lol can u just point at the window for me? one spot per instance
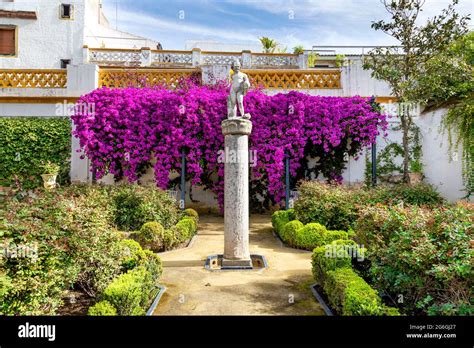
(65, 63)
(7, 40)
(66, 11)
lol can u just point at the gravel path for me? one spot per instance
(281, 289)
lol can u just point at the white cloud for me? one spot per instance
(316, 22)
(142, 23)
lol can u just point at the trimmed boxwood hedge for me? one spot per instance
(322, 263)
(332, 258)
(130, 293)
(102, 308)
(72, 228)
(297, 235)
(155, 237)
(350, 294)
(29, 141)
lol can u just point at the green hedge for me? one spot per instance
(322, 262)
(29, 141)
(78, 245)
(281, 217)
(136, 205)
(152, 236)
(297, 235)
(337, 207)
(155, 237)
(350, 294)
(310, 236)
(191, 213)
(102, 308)
(289, 231)
(185, 229)
(131, 293)
(423, 254)
(332, 258)
(347, 292)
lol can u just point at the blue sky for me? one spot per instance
(306, 22)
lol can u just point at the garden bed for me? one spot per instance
(73, 243)
(415, 244)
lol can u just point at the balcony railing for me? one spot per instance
(33, 78)
(268, 79)
(121, 78)
(187, 59)
(295, 79)
(119, 57)
(269, 60)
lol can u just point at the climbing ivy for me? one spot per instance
(26, 143)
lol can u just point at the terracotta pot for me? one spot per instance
(49, 181)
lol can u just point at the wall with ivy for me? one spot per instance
(26, 142)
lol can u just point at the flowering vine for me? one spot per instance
(132, 129)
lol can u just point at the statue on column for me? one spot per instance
(240, 85)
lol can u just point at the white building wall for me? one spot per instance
(99, 34)
(441, 166)
(43, 42)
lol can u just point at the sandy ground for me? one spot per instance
(281, 289)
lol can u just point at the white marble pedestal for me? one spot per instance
(236, 193)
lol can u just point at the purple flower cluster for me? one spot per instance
(134, 128)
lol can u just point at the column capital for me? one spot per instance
(237, 126)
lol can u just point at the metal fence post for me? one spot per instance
(183, 179)
(287, 181)
(374, 163)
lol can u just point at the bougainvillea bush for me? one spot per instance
(131, 127)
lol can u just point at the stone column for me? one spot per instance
(236, 193)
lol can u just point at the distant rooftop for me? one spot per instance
(331, 51)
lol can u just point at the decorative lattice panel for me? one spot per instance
(295, 79)
(115, 57)
(33, 78)
(274, 60)
(220, 59)
(143, 78)
(178, 58)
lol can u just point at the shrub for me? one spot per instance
(416, 194)
(132, 254)
(185, 229)
(92, 241)
(331, 206)
(153, 265)
(350, 294)
(130, 293)
(72, 228)
(289, 231)
(191, 213)
(423, 254)
(280, 218)
(137, 205)
(324, 260)
(310, 236)
(77, 246)
(331, 236)
(29, 141)
(463, 309)
(102, 308)
(151, 236)
(338, 207)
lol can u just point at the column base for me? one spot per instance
(241, 263)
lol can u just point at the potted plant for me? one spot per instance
(50, 173)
